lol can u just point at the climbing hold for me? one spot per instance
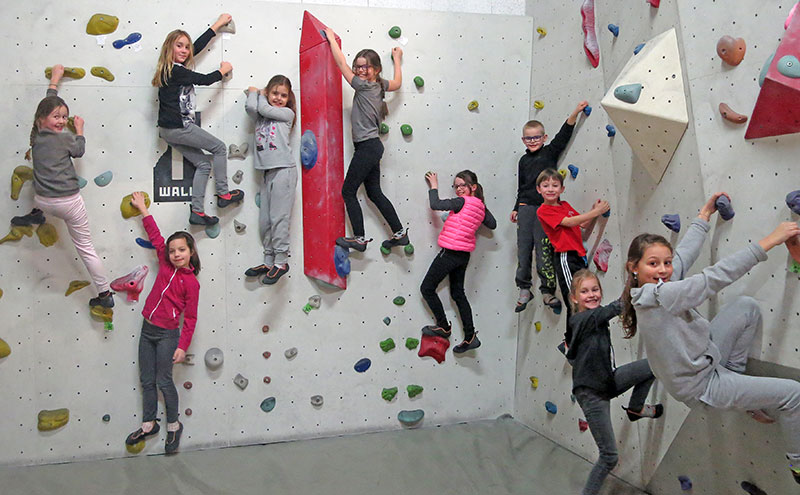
(188, 360)
(541, 31)
(257, 199)
(229, 28)
(395, 32)
(16, 233)
(128, 40)
(794, 268)
(672, 222)
(413, 390)
(563, 173)
(686, 483)
(341, 260)
(290, 353)
(102, 24)
(789, 66)
(629, 93)
(724, 207)
(316, 400)
(387, 320)
(654, 3)
(267, 380)
(389, 393)
(751, 488)
(765, 69)
(614, 29)
(35, 217)
(473, 105)
(238, 226)
(50, 420)
(387, 345)
(128, 210)
(308, 150)
(590, 45)
(266, 354)
(5, 349)
(104, 314)
(587, 110)
(419, 81)
(638, 48)
(265, 328)
(538, 104)
(188, 411)
(102, 73)
(551, 408)
(411, 343)
(538, 326)
(314, 302)
(237, 177)
(132, 283)
(187, 385)
(573, 170)
(268, 404)
(240, 381)
(104, 179)
(730, 115)
(583, 425)
(793, 245)
(82, 182)
(612, 131)
(20, 176)
(144, 243)
(731, 50)
(400, 300)
(433, 346)
(238, 152)
(534, 382)
(135, 448)
(607, 214)
(408, 249)
(410, 418)
(213, 231)
(602, 255)
(362, 365)
(76, 285)
(384, 129)
(572, 398)
(73, 72)
(793, 201)
(406, 130)
(106, 418)
(214, 358)
(47, 234)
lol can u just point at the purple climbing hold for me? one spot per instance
(551, 408)
(341, 261)
(144, 243)
(587, 110)
(573, 170)
(131, 39)
(672, 222)
(612, 131)
(614, 29)
(686, 483)
(793, 201)
(724, 207)
(638, 48)
(362, 365)
(308, 150)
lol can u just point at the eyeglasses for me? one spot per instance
(533, 139)
(457, 186)
(364, 67)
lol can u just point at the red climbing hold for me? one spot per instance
(434, 347)
(590, 45)
(793, 245)
(654, 3)
(132, 283)
(583, 425)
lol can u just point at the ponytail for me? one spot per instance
(471, 179)
(628, 316)
(45, 108)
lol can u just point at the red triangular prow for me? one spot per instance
(313, 33)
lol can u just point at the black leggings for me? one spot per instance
(454, 264)
(365, 168)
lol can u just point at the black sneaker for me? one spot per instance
(197, 219)
(173, 440)
(552, 302)
(256, 271)
(357, 243)
(139, 435)
(436, 331)
(35, 217)
(399, 238)
(647, 412)
(106, 301)
(274, 274)
(237, 195)
(468, 345)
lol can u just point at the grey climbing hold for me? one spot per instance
(104, 179)
(765, 69)
(316, 400)
(238, 152)
(240, 381)
(214, 358)
(410, 418)
(789, 66)
(672, 222)
(724, 207)
(238, 226)
(308, 150)
(638, 48)
(290, 353)
(793, 201)
(314, 302)
(268, 404)
(230, 27)
(629, 93)
(686, 483)
(82, 182)
(237, 177)
(212, 231)
(614, 29)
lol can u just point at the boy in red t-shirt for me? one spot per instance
(563, 225)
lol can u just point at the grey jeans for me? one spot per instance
(530, 238)
(596, 408)
(278, 188)
(191, 141)
(156, 347)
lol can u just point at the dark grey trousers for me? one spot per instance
(156, 347)
(530, 238)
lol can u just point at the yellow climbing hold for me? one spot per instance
(538, 104)
(76, 285)
(534, 382)
(71, 124)
(135, 448)
(47, 234)
(102, 73)
(563, 173)
(102, 24)
(542, 31)
(538, 326)
(473, 105)
(1, 293)
(20, 176)
(105, 314)
(5, 349)
(16, 233)
(128, 210)
(50, 420)
(73, 72)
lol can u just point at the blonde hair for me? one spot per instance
(577, 280)
(532, 124)
(164, 68)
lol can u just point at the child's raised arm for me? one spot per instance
(57, 72)
(573, 117)
(600, 207)
(137, 200)
(397, 56)
(221, 21)
(338, 56)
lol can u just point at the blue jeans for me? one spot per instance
(156, 347)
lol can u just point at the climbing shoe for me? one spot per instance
(139, 435)
(468, 345)
(648, 411)
(35, 217)
(524, 298)
(256, 271)
(274, 274)
(235, 196)
(173, 440)
(436, 331)
(104, 299)
(552, 301)
(357, 243)
(399, 238)
(200, 219)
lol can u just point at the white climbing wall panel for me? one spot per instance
(61, 358)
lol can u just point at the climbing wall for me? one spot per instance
(60, 357)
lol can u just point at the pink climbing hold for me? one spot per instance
(789, 17)
(132, 283)
(602, 254)
(590, 45)
(654, 3)
(433, 346)
(583, 425)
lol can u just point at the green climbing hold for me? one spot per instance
(406, 130)
(385, 250)
(135, 448)
(384, 129)
(76, 285)
(408, 249)
(102, 73)
(387, 345)
(413, 390)
(419, 82)
(50, 420)
(795, 268)
(16, 233)
(73, 72)
(47, 234)
(411, 343)
(104, 179)
(102, 24)
(473, 105)
(128, 210)
(5, 351)
(399, 300)
(395, 32)
(20, 176)
(389, 393)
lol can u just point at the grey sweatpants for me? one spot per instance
(733, 331)
(530, 238)
(191, 141)
(278, 187)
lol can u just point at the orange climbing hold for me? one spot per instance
(731, 50)
(730, 115)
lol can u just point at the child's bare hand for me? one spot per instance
(137, 200)
(433, 180)
(514, 217)
(253, 88)
(225, 68)
(330, 34)
(581, 106)
(782, 233)
(58, 71)
(397, 53)
(710, 207)
(179, 356)
(221, 21)
(78, 121)
(601, 206)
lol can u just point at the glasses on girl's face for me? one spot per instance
(533, 139)
(364, 67)
(458, 186)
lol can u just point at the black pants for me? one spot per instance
(156, 347)
(453, 264)
(566, 265)
(365, 168)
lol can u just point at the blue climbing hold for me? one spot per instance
(765, 69)
(362, 365)
(789, 66)
(131, 39)
(410, 418)
(793, 201)
(308, 150)
(551, 408)
(341, 261)
(212, 231)
(638, 48)
(629, 93)
(268, 404)
(82, 182)
(672, 222)
(612, 131)
(614, 29)
(104, 179)
(144, 243)
(686, 483)
(573, 170)
(724, 207)
(587, 110)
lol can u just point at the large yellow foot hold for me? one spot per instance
(76, 285)
(73, 72)
(20, 176)
(5, 349)
(128, 210)
(50, 420)
(102, 24)
(47, 234)
(105, 314)
(103, 73)
(17, 232)
(135, 448)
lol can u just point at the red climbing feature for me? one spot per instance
(132, 283)
(321, 113)
(777, 109)
(433, 346)
(654, 3)
(590, 45)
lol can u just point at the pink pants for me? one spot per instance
(72, 210)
